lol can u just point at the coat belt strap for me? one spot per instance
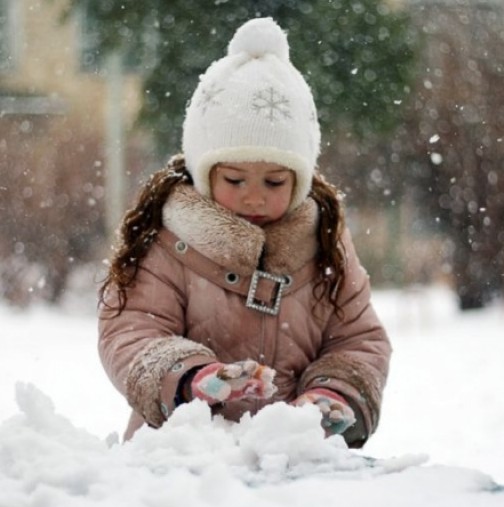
(261, 289)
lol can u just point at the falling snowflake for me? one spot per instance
(271, 103)
(208, 97)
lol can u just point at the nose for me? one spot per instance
(254, 198)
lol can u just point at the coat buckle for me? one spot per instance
(261, 306)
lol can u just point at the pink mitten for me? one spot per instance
(337, 416)
(219, 382)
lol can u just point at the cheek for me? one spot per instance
(224, 196)
(281, 202)
(287, 194)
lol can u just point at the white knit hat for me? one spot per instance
(253, 105)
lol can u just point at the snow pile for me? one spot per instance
(277, 458)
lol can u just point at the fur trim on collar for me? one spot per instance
(231, 241)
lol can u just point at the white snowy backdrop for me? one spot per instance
(440, 441)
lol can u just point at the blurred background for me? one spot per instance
(410, 97)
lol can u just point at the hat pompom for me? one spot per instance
(259, 37)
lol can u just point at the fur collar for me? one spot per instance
(232, 242)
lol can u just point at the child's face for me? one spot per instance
(259, 192)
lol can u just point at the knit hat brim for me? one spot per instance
(269, 154)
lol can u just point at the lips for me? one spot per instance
(255, 219)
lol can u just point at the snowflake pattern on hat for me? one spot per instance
(271, 103)
(208, 97)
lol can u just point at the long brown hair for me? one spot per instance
(142, 223)
(331, 255)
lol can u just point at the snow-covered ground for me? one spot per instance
(440, 441)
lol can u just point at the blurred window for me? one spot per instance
(7, 36)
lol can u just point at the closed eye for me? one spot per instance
(275, 183)
(233, 181)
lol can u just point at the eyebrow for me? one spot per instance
(225, 166)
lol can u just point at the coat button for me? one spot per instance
(232, 278)
(177, 367)
(181, 247)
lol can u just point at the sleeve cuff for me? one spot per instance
(168, 357)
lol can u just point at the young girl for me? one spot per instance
(236, 281)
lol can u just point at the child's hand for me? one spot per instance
(337, 416)
(219, 382)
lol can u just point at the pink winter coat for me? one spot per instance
(188, 308)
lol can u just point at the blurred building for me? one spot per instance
(58, 113)
(46, 67)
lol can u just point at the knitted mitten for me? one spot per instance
(219, 382)
(337, 416)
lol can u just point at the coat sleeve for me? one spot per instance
(143, 349)
(355, 353)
